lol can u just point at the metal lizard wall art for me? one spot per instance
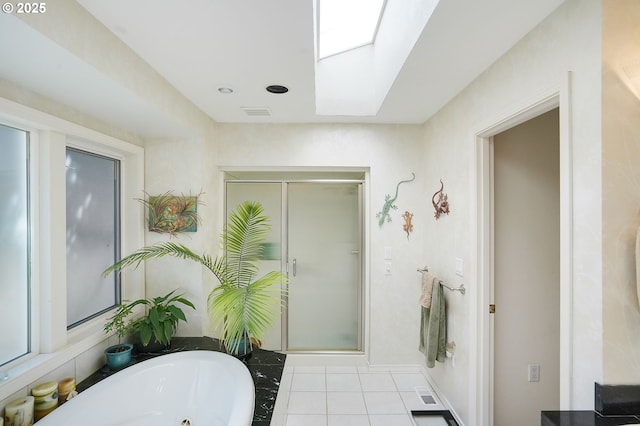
(388, 202)
(441, 205)
(408, 226)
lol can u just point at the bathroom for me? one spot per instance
(570, 60)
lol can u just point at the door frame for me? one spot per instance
(314, 174)
(481, 371)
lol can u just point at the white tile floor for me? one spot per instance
(347, 396)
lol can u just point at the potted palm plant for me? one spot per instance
(242, 306)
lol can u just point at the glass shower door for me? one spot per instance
(324, 250)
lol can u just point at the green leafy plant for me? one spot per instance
(118, 322)
(160, 322)
(241, 305)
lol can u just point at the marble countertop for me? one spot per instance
(265, 367)
(585, 418)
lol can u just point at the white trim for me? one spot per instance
(26, 116)
(444, 401)
(54, 345)
(566, 245)
(37, 366)
(481, 375)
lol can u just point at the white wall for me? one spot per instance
(621, 192)
(181, 166)
(568, 40)
(391, 153)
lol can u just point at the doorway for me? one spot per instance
(316, 239)
(525, 261)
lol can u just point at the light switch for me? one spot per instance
(459, 267)
(388, 253)
(387, 267)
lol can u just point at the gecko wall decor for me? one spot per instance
(383, 215)
(441, 205)
(408, 226)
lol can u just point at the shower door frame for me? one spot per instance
(284, 265)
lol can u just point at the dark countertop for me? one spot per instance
(614, 405)
(265, 367)
(584, 418)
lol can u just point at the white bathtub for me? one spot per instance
(197, 388)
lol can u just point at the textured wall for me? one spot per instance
(620, 192)
(568, 40)
(391, 153)
(184, 167)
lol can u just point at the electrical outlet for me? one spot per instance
(534, 373)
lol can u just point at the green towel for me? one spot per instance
(433, 328)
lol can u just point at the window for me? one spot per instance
(93, 234)
(346, 24)
(15, 287)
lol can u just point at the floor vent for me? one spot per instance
(426, 396)
(256, 111)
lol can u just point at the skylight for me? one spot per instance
(346, 24)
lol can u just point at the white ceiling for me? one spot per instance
(201, 45)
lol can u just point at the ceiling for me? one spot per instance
(200, 45)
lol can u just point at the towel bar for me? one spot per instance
(461, 289)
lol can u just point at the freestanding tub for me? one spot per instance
(192, 388)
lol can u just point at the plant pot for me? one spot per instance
(118, 356)
(243, 349)
(152, 347)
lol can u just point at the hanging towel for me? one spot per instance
(433, 328)
(427, 288)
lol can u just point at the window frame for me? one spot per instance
(52, 345)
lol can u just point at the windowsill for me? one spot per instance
(27, 372)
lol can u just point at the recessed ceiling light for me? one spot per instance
(277, 89)
(225, 90)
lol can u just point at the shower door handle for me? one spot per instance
(294, 267)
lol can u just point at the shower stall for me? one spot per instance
(317, 240)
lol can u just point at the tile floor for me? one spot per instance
(348, 396)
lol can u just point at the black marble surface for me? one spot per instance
(614, 405)
(584, 418)
(265, 368)
(617, 399)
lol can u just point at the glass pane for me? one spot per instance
(347, 24)
(270, 196)
(92, 234)
(14, 250)
(324, 244)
